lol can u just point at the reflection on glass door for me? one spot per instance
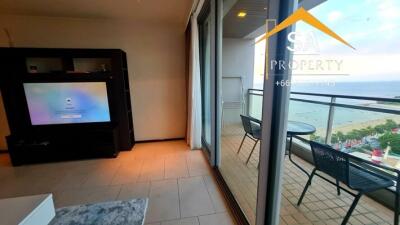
(242, 71)
(360, 132)
(205, 43)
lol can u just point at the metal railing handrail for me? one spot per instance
(339, 96)
(332, 104)
(373, 109)
(349, 97)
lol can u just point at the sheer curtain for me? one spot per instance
(194, 128)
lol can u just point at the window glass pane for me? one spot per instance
(205, 32)
(242, 83)
(351, 69)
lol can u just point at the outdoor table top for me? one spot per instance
(299, 128)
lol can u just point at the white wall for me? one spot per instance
(156, 62)
(237, 61)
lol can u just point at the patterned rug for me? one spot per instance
(130, 212)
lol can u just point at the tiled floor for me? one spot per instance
(177, 181)
(180, 186)
(320, 206)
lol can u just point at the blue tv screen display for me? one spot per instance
(67, 103)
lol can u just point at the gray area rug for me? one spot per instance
(130, 212)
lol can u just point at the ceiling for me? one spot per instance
(171, 11)
(235, 27)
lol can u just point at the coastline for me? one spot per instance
(358, 125)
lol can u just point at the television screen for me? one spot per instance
(66, 103)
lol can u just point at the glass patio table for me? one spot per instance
(298, 128)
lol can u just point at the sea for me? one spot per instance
(386, 89)
(317, 115)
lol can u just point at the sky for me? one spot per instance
(371, 26)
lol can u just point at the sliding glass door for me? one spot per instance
(244, 112)
(253, 109)
(258, 53)
(243, 22)
(205, 71)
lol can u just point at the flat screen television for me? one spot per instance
(67, 103)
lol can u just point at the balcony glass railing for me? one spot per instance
(364, 126)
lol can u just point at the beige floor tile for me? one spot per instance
(185, 221)
(71, 181)
(127, 173)
(158, 149)
(135, 190)
(193, 190)
(103, 194)
(176, 166)
(127, 158)
(27, 185)
(16, 187)
(43, 185)
(78, 167)
(164, 201)
(85, 196)
(217, 197)
(197, 164)
(70, 197)
(216, 219)
(98, 179)
(48, 170)
(152, 169)
(7, 172)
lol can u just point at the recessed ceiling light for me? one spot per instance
(242, 14)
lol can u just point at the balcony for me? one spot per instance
(353, 124)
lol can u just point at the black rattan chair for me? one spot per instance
(252, 128)
(346, 169)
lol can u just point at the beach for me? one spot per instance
(357, 126)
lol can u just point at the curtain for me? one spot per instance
(194, 125)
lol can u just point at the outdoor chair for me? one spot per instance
(252, 128)
(356, 174)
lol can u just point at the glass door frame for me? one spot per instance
(274, 116)
(203, 18)
(208, 12)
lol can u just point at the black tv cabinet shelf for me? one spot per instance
(65, 144)
(31, 143)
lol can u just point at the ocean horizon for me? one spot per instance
(317, 115)
(386, 89)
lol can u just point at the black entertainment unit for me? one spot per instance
(64, 144)
(66, 104)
